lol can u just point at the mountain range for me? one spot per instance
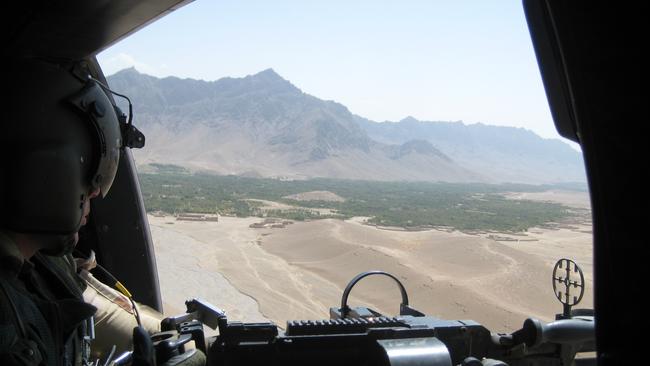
(262, 125)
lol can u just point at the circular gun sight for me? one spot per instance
(568, 284)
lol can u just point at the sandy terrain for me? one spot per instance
(316, 196)
(298, 272)
(569, 198)
(183, 275)
(271, 205)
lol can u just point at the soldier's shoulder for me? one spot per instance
(11, 261)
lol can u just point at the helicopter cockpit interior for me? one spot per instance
(594, 70)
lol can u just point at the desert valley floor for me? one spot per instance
(300, 270)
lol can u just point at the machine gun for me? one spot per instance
(362, 336)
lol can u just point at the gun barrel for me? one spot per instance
(565, 331)
(569, 331)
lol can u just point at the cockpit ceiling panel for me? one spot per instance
(77, 29)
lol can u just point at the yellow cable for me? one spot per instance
(123, 289)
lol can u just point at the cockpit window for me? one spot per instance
(293, 145)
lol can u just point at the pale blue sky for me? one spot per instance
(435, 60)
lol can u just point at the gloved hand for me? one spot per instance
(143, 352)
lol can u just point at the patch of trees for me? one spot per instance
(402, 204)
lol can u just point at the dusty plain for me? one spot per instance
(299, 271)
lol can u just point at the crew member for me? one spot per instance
(60, 143)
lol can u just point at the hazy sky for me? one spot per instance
(385, 60)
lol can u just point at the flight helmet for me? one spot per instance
(62, 139)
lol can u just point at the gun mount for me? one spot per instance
(363, 336)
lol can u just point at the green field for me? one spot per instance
(404, 204)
